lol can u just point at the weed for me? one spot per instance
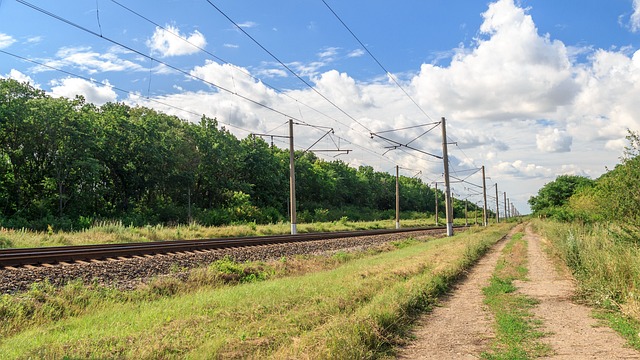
(516, 329)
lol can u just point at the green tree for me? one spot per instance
(558, 192)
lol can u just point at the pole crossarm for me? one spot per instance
(400, 145)
(274, 136)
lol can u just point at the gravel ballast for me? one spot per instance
(131, 272)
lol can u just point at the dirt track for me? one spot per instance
(461, 328)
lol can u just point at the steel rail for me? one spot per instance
(57, 254)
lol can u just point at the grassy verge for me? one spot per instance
(116, 232)
(607, 267)
(358, 306)
(516, 329)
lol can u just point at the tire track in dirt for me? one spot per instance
(572, 332)
(460, 327)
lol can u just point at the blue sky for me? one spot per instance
(531, 89)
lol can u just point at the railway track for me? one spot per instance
(63, 254)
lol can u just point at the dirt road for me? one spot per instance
(461, 328)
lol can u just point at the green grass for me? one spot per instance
(607, 268)
(516, 328)
(356, 306)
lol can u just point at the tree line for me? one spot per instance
(69, 163)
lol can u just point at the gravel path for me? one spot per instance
(130, 273)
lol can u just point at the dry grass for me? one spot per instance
(116, 232)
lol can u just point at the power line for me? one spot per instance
(43, 11)
(377, 61)
(111, 86)
(287, 67)
(239, 69)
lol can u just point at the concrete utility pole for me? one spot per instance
(292, 181)
(447, 188)
(397, 197)
(509, 208)
(436, 197)
(475, 214)
(497, 206)
(466, 203)
(505, 205)
(485, 218)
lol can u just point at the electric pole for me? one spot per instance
(497, 206)
(447, 188)
(485, 218)
(292, 181)
(466, 203)
(397, 197)
(436, 193)
(505, 205)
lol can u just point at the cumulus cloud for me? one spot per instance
(235, 79)
(513, 72)
(171, 42)
(521, 169)
(342, 89)
(6, 40)
(93, 93)
(554, 141)
(18, 76)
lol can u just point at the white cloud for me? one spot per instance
(342, 89)
(93, 93)
(635, 17)
(356, 53)
(171, 42)
(90, 61)
(329, 53)
(34, 40)
(6, 40)
(231, 46)
(521, 169)
(512, 72)
(18, 76)
(554, 141)
(248, 24)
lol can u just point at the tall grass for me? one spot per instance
(606, 262)
(606, 265)
(358, 308)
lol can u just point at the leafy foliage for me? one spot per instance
(558, 192)
(67, 164)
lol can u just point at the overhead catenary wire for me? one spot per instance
(236, 68)
(149, 57)
(113, 87)
(253, 77)
(314, 89)
(387, 72)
